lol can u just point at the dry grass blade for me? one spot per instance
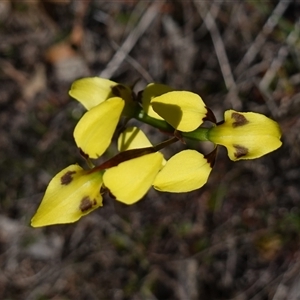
(218, 43)
(131, 40)
(261, 37)
(276, 64)
(211, 25)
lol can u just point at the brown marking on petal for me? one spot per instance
(211, 157)
(240, 151)
(86, 204)
(84, 155)
(111, 195)
(67, 178)
(210, 116)
(104, 189)
(239, 119)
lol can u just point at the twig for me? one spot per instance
(131, 39)
(279, 60)
(273, 69)
(261, 38)
(218, 44)
(292, 272)
(136, 65)
(210, 23)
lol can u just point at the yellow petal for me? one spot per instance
(153, 90)
(95, 129)
(181, 109)
(130, 180)
(246, 135)
(186, 171)
(92, 91)
(132, 138)
(71, 194)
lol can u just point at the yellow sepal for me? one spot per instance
(71, 194)
(95, 129)
(130, 180)
(153, 90)
(132, 138)
(181, 109)
(246, 135)
(92, 91)
(186, 171)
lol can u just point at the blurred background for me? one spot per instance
(237, 237)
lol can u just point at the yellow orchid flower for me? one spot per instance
(75, 192)
(92, 91)
(246, 135)
(94, 131)
(71, 194)
(130, 180)
(186, 171)
(183, 110)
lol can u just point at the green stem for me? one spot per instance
(141, 116)
(200, 134)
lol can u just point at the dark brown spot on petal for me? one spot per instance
(86, 204)
(111, 195)
(211, 157)
(84, 155)
(239, 120)
(104, 189)
(240, 151)
(67, 178)
(210, 116)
